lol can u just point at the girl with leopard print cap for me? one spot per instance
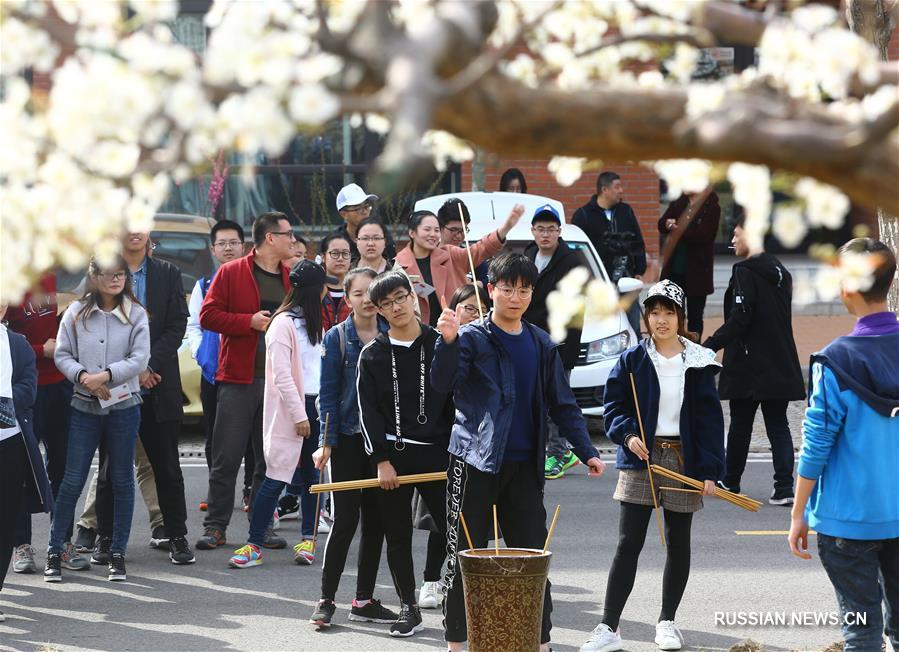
(684, 429)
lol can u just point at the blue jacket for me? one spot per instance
(337, 393)
(701, 418)
(479, 372)
(39, 495)
(851, 438)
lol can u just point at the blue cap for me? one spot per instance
(547, 212)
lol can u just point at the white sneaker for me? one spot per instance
(430, 596)
(603, 639)
(276, 522)
(668, 636)
(323, 526)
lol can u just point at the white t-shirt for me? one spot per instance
(670, 372)
(609, 212)
(541, 261)
(311, 356)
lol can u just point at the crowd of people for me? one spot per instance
(357, 366)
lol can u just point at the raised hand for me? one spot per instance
(449, 323)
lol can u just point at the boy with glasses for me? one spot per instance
(506, 377)
(553, 259)
(355, 205)
(405, 428)
(239, 304)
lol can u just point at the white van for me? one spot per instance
(602, 342)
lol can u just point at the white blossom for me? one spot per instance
(824, 205)
(153, 11)
(566, 169)
(682, 65)
(446, 147)
(828, 282)
(857, 270)
(702, 98)
(313, 104)
(566, 303)
(684, 175)
(789, 226)
(751, 184)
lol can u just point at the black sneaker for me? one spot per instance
(323, 613)
(101, 554)
(158, 539)
(288, 507)
(180, 552)
(409, 621)
(373, 612)
(117, 568)
(733, 490)
(273, 541)
(53, 568)
(781, 497)
(86, 539)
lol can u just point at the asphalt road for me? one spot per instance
(209, 606)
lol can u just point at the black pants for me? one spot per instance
(349, 462)
(52, 411)
(209, 400)
(160, 440)
(742, 414)
(517, 492)
(633, 521)
(14, 465)
(396, 511)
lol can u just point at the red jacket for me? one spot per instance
(229, 306)
(333, 314)
(37, 320)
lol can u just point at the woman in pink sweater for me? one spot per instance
(290, 420)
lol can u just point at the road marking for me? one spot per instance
(765, 533)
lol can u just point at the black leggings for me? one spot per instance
(632, 525)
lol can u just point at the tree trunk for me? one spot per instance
(873, 20)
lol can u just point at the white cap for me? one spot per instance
(353, 195)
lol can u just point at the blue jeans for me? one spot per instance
(304, 477)
(119, 429)
(864, 574)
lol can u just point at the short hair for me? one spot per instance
(375, 221)
(384, 284)
(301, 239)
(417, 217)
(508, 176)
(354, 273)
(266, 223)
(512, 268)
(225, 225)
(449, 212)
(331, 237)
(606, 179)
(883, 273)
(467, 291)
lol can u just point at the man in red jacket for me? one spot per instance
(36, 318)
(239, 304)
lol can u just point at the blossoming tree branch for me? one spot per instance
(130, 110)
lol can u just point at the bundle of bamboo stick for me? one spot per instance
(372, 483)
(739, 500)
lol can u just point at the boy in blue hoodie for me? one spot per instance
(848, 486)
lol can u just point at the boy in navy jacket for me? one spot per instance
(505, 375)
(847, 488)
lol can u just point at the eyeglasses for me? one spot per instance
(337, 255)
(471, 310)
(112, 276)
(455, 230)
(290, 234)
(388, 304)
(506, 291)
(356, 209)
(227, 244)
(546, 230)
(371, 238)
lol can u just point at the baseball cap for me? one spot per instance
(353, 195)
(547, 211)
(668, 289)
(307, 273)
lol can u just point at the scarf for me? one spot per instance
(7, 407)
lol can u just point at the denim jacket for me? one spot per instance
(479, 372)
(337, 394)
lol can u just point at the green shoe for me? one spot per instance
(557, 471)
(551, 461)
(569, 460)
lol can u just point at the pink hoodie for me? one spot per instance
(285, 403)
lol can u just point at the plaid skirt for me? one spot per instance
(633, 484)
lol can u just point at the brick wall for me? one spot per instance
(641, 189)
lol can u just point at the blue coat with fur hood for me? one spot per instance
(701, 418)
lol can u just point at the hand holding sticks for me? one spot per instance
(652, 489)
